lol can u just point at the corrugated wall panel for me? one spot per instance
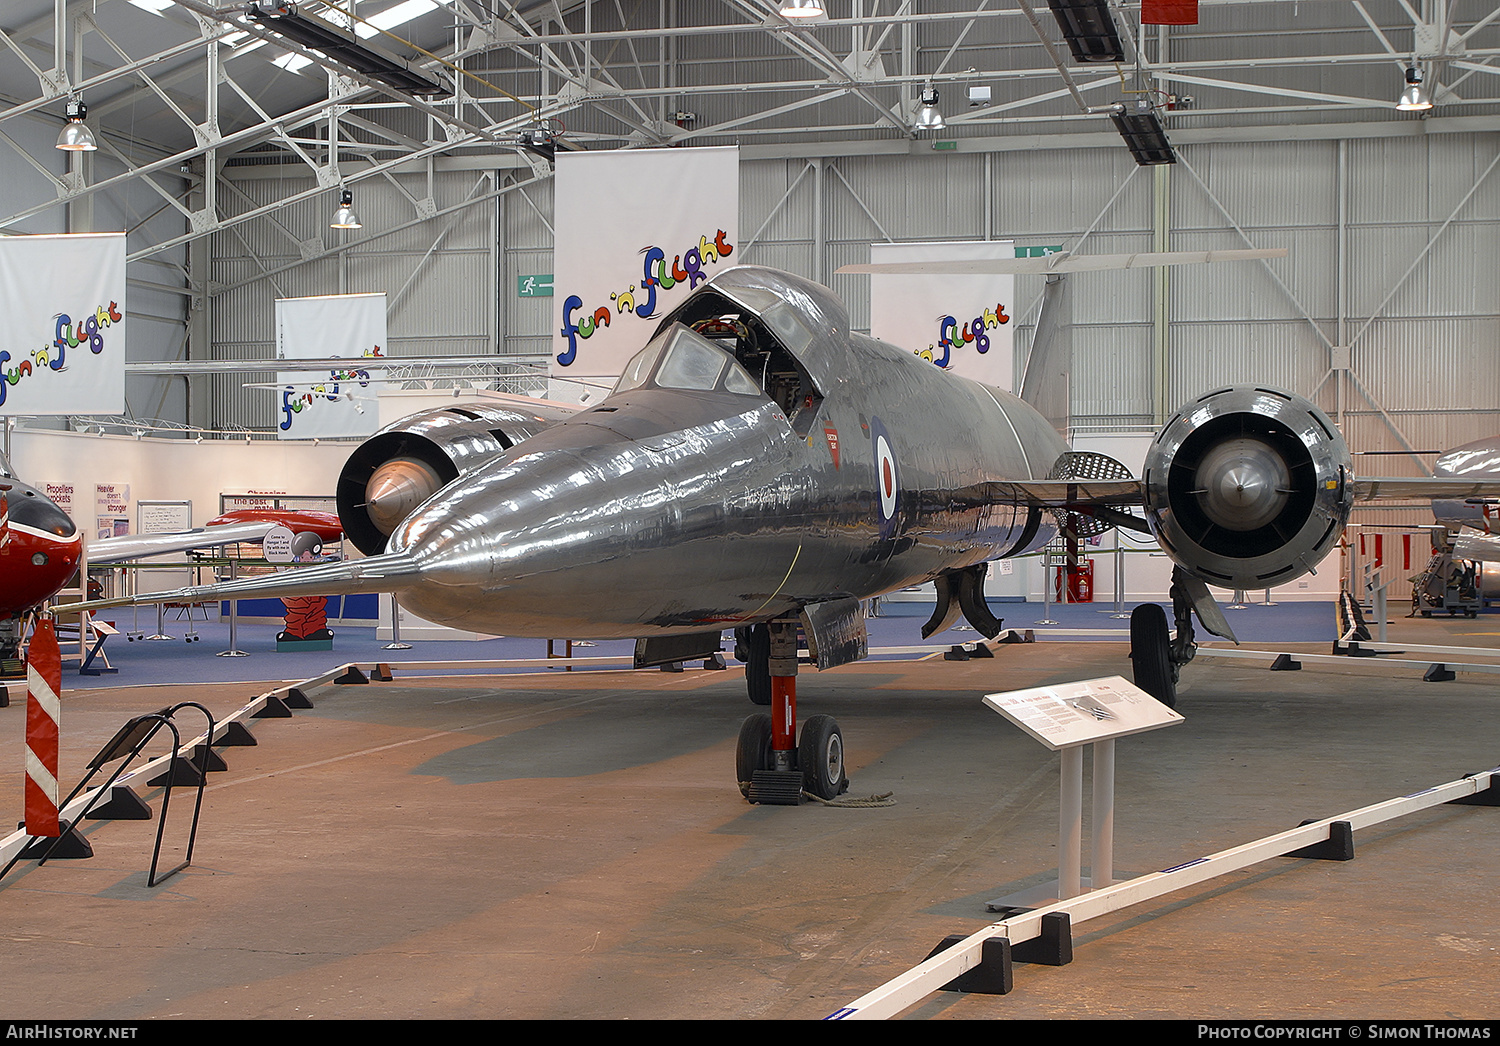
(1426, 359)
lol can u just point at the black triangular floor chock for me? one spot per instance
(352, 677)
(1339, 846)
(296, 698)
(1438, 673)
(382, 674)
(993, 976)
(122, 805)
(208, 760)
(275, 708)
(236, 735)
(980, 650)
(1485, 797)
(181, 772)
(1285, 663)
(1054, 947)
(70, 846)
(956, 653)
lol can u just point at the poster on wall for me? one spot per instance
(61, 495)
(63, 299)
(111, 510)
(337, 402)
(961, 323)
(636, 230)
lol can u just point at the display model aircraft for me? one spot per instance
(40, 546)
(759, 466)
(1466, 557)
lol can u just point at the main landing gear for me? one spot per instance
(771, 765)
(1156, 655)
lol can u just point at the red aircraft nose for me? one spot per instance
(33, 567)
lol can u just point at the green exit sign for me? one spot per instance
(537, 285)
(1037, 252)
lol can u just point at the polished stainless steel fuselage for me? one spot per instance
(666, 511)
(819, 465)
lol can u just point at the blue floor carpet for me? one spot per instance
(175, 661)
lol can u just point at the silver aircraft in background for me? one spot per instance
(761, 467)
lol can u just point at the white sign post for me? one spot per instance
(1064, 718)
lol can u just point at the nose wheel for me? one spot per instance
(818, 769)
(753, 751)
(820, 757)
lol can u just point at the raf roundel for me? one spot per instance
(887, 477)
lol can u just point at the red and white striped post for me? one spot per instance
(43, 682)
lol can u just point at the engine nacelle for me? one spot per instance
(1248, 487)
(408, 462)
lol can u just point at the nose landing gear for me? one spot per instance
(771, 765)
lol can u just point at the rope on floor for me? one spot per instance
(869, 802)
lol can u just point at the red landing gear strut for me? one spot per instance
(772, 767)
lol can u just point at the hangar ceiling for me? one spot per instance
(177, 89)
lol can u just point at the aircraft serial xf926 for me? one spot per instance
(761, 467)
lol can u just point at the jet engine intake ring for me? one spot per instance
(1248, 487)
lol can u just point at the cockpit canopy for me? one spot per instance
(680, 358)
(728, 350)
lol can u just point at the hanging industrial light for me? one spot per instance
(344, 217)
(928, 117)
(803, 10)
(76, 136)
(1414, 98)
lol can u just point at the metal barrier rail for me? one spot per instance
(917, 983)
(16, 841)
(1345, 660)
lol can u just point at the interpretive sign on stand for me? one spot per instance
(1068, 714)
(1065, 717)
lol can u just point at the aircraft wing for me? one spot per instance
(124, 549)
(1407, 488)
(384, 573)
(1064, 262)
(1103, 499)
(1068, 493)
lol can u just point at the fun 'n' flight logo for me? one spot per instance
(887, 477)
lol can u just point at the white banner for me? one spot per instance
(62, 306)
(339, 402)
(960, 323)
(635, 231)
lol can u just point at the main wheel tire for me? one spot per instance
(753, 752)
(756, 645)
(1150, 653)
(820, 756)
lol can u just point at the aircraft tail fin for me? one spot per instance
(1045, 385)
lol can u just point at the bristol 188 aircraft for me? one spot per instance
(759, 466)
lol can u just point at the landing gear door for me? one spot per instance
(835, 632)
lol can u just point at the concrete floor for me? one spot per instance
(572, 845)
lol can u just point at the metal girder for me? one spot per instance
(585, 60)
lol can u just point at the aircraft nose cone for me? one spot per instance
(31, 509)
(397, 487)
(1242, 484)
